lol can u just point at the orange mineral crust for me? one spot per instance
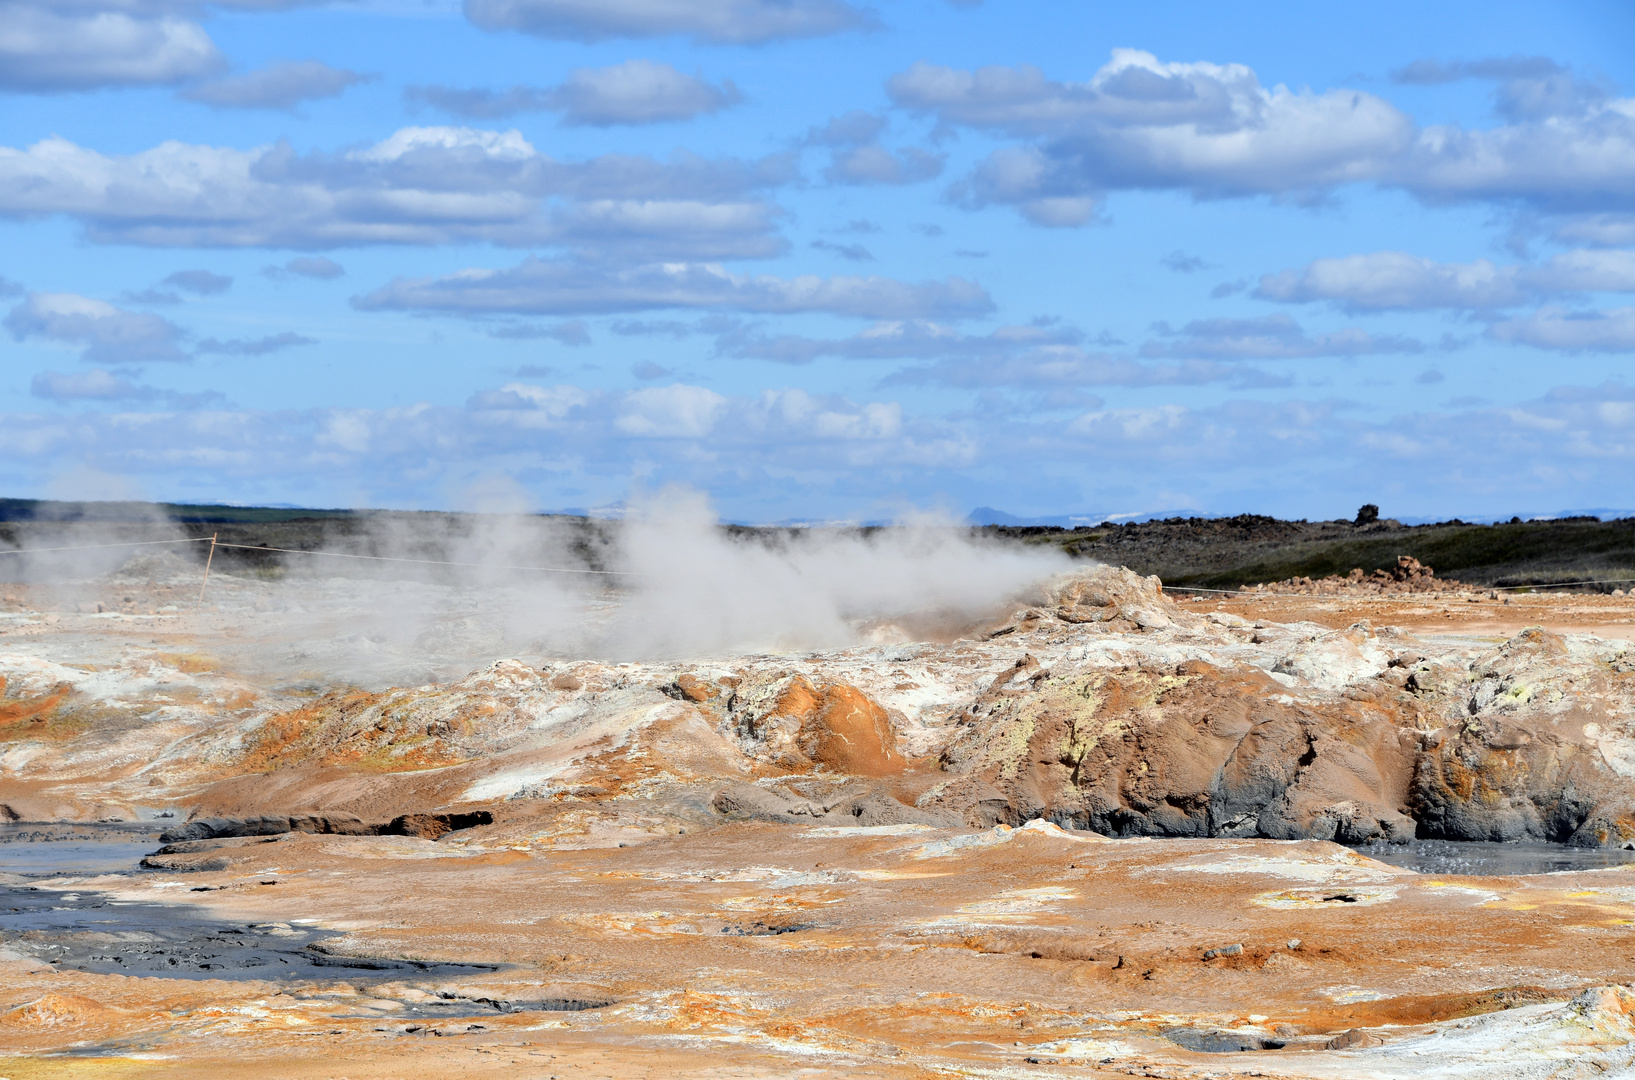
(1102, 832)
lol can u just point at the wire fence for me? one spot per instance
(215, 543)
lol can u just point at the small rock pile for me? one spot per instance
(1409, 576)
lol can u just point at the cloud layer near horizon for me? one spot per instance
(815, 250)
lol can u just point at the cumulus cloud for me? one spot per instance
(53, 48)
(544, 287)
(788, 452)
(314, 266)
(1213, 130)
(573, 333)
(852, 128)
(1433, 72)
(892, 340)
(278, 86)
(634, 92)
(549, 402)
(717, 22)
(1393, 279)
(1275, 337)
(856, 156)
(202, 282)
(853, 252)
(1073, 367)
(110, 335)
(422, 185)
(637, 92)
(1572, 331)
(98, 385)
(874, 164)
(1389, 280)
(478, 103)
(1139, 123)
(1598, 230)
(675, 411)
(1026, 357)
(254, 346)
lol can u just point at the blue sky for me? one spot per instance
(818, 258)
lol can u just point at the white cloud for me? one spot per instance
(551, 403)
(543, 287)
(874, 164)
(314, 266)
(1387, 280)
(1139, 123)
(1275, 337)
(792, 453)
(1572, 331)
(677, 411)
(633, 92)
(202, 282)
(1213, 130)
(51, 48)
(637, 92)
(421, 185)
(278, 86)
(254, 346)
(96, 385)
(110, 335)
(720, 22)
(1393, 279)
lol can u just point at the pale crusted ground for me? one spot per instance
(927, 945)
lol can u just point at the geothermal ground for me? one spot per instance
(1096, 831)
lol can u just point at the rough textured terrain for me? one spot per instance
(1094, 836)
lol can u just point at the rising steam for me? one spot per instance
(666, 583)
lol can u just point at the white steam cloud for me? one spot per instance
(444, 594)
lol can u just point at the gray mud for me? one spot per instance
(1482, 858)
(52, 849)
(86, 930)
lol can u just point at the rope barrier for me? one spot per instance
(97, 547)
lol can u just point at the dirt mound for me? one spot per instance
(835, 726)
(1108, 598)
(56, 1010)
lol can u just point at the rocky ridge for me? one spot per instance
(1098, 703)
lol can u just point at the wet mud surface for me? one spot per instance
(90, 931)
(1494, 859)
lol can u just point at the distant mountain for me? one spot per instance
(987, 515)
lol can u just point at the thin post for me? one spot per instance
(207, 560)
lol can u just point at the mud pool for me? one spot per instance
(1494, 859)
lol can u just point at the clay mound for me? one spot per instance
(55, 1010)
(835, 726)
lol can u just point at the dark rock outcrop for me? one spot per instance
(209, 828)
(431, 826)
